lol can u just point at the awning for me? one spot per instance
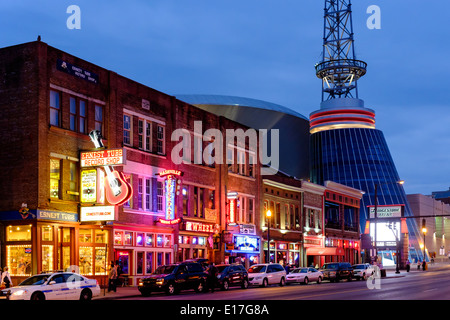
(321, 251)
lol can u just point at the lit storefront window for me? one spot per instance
(47, 258)
(18, 233)
(100, 261)
(128, 238)
(149, 239)
(47, 233)
(85, 235)
(118, 238)
(86, 260)
(18, 260)
(101, 236)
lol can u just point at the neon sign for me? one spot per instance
(170, 188)
(232, 204)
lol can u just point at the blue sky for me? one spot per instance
(266, 49)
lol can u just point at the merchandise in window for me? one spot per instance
(86, 260)
(19, 260)
(100, 261)
(85, 235)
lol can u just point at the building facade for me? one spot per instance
(72, 127)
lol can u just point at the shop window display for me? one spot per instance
(86, 260)
(101, 236)
(85, 235)
(47, 258)
(100, 261)
(149, 240)
(19, 260)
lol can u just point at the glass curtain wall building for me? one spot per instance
(360, 158)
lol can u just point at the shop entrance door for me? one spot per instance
(123, 258)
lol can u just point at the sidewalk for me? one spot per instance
(122, 292)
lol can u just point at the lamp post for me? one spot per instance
(376, 210)
(268, 216)
(424, 231)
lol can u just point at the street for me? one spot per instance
(416, 285)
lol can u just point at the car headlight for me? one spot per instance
(160, 281)
(332, 272)
(257, 278)
(19, 292)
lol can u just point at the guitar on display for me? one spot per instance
(117, 190)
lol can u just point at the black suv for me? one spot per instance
(232, 275)
(173, 278)
(335, 271)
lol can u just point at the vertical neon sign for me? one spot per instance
(232, 203)
(170, 189)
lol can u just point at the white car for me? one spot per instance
(54, 286)
(265, 274)
(362, 271)
(304, 276)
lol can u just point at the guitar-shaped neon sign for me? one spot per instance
(118, 190)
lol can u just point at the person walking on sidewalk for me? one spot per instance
(112, 278)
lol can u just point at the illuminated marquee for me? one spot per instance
(101, 158)
(97, 213)
(200, 227)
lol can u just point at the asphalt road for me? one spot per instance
(429, 285)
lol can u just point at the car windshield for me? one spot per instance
(302, 270)
(257, 269)
(164, 270)
(358, 266)
(35, 280)
(330, 266)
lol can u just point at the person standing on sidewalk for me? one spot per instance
(212, 277)
(112, 278)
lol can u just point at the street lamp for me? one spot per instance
(401, 182)
(268, 216)
(424, 231)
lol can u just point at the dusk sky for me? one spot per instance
(267, 49)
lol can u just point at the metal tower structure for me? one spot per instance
(339, 70)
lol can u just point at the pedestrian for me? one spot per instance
(407, 266)
(287, 268)
(212, 277)
(418, 264)
(6, 278)
(112, 278)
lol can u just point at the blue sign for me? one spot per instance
(78, 72)
(57, 215)
(246, 243)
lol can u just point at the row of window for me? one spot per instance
(78, 113)
(289, 219)
(144, 133)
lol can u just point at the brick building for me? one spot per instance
(53, 212)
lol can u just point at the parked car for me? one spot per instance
(232, 275)
(54, 286)
(362, 271)
(204, 262)
(173, 278)
(265, 274)
(304, 276)
(335, 271)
